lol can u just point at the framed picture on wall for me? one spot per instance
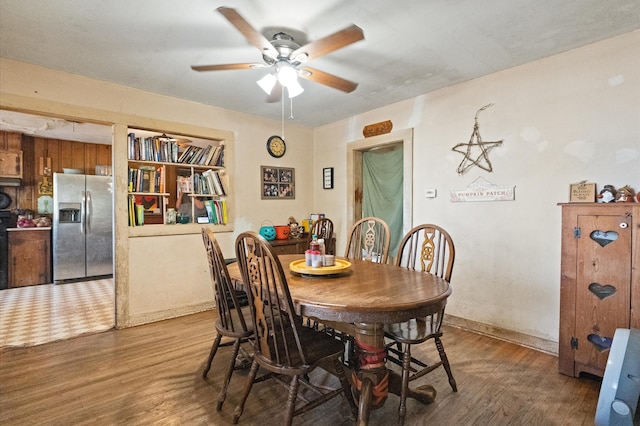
(278, 183)
(327, 178)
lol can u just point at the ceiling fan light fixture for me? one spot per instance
(287, 75)
(294, 89)
(267, 82)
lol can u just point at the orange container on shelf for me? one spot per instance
(282, 232)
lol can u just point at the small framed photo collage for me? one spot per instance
(278, 183)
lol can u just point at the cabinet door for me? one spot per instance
(29, 258)
(603, 278)
(11, 164)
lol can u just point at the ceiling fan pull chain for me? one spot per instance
(291, 109)
(282, 112)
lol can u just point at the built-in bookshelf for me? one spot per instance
(163, 166)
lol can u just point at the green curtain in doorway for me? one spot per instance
(382, 190)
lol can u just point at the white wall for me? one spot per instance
(563, 119)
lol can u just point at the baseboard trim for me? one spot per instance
(547, 346)
(148, 317)
(537, 343)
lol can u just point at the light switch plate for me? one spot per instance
(430, 193)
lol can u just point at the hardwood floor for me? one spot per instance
(150, 374)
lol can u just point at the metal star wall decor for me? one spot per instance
(482, 160)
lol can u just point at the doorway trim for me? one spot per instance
(354, 173)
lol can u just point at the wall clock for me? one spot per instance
(276, 146)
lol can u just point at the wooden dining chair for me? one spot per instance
(427, 248)
(368, 239)
(323, 228)
(283, 346)
(231, 320)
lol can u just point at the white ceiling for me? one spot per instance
(411, 47)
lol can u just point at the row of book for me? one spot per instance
(146, 179)
(155, 148)
(136, 213)
(209, 156)
(209, 182)
(167, 150)
(216, 211)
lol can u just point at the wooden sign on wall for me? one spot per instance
(377, 129)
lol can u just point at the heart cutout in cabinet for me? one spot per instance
(601, 343)
(603, 237)
(602, 291)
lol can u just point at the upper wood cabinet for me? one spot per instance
(11, 164)
(600, 282)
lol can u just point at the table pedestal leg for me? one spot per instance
(371, 376)
(371, 379)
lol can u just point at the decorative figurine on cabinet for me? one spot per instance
(607, 194)
(624, 195)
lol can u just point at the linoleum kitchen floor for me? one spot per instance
(44, 313)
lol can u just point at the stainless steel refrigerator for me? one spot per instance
(82, 226)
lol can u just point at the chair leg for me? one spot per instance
(214, 349)
(406, 366)
(445, 364)
(223, 392)
(247, 389)
(291, 400)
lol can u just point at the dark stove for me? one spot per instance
(7, 220)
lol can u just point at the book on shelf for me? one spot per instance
(210, 212)
(219, 160)
(184, 154)
(139, 215)
(131, 210)
(224, 181)
(184, 184)
(210, 155)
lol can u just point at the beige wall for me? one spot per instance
(563, 119)
(159, 276)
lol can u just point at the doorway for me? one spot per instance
(355, 183)
(47, 311)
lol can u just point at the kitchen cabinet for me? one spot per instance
(599, 284)
(29, 256)
(11, 164)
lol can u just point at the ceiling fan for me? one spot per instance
(287, 58)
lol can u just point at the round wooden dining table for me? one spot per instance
(360, 301)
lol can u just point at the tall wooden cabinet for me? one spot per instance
(600, 282)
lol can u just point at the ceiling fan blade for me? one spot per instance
(328, 44)
(226, 67)
(328, 79)
(251, 34)
(276, 93)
